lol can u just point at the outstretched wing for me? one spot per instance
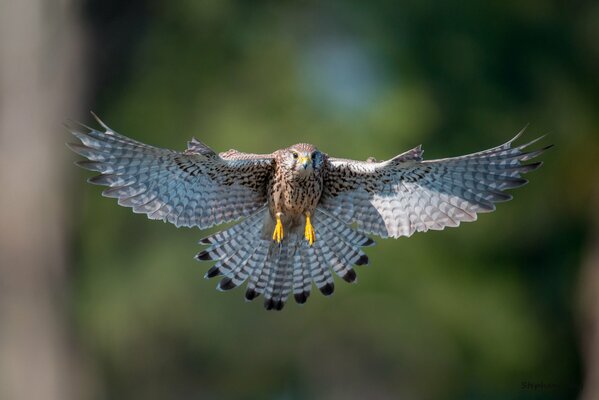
(196, 187)
(405, 194)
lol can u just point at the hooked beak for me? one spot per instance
(305, 161)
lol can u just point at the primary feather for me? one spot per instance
(405, 194)
(191, 188)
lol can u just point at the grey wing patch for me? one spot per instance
(405, 194)
(191, 188)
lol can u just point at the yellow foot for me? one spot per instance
(309, 233)
(278, 235)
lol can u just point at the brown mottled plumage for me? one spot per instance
(292, 189)
(298, 203)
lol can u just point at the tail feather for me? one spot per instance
(244, 252)
(337, 262)
(319, 269)
(302, 281)
(279, 284)
(352, 254)
(232, 251)
(258, 273)
(243, 271)
(232, 264)
(256, 264)
(225, 235)
(344, 231)
(273, 278)
(343, 256)
(264, 278)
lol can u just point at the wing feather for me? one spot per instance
(406, 194)
(196, 187)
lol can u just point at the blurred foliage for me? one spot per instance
(463, 313)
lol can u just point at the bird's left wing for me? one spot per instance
(405, 194)
(196, 187)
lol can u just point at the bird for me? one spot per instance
(301, 214)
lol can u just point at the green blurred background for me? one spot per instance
(468, 313)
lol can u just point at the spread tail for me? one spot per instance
(245, 252)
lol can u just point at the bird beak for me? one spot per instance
(305, 161)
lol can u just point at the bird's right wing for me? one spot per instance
(196, 187)
(405, 194)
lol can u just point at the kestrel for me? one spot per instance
(305, 213)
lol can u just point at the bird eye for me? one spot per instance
(295, 155)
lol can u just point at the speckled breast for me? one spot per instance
(294, 195)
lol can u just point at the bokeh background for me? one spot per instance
(99, 303)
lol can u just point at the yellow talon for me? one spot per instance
(309, 231)
(277, 235)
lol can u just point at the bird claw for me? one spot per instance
(309, 233)
(278, 234)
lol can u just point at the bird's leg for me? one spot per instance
(309, 233)
(277, 235)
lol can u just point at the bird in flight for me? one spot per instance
(305, 214)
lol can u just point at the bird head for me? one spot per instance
(303, 159)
